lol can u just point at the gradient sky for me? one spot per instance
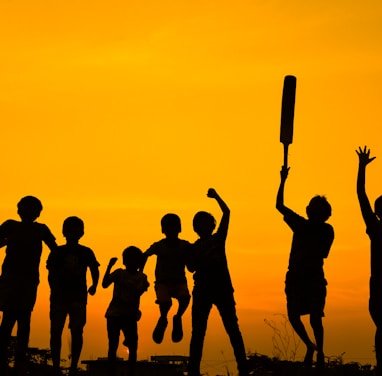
(122, 111)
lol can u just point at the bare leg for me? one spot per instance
(299, 328)
(318, 330)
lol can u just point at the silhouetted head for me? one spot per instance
(171, 225)
(29, 208)
(73, 228)
(378, 207)
(204, 224)
(319, 209)
(132, 258)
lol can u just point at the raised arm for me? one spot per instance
(280, 193)
(106, 281)
(364, 160)
(224, 222)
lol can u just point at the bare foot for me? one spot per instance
(308, 360)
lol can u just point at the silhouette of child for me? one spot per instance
(305, 284)
(123, 311)
(213, 286)
(374, 231)
(67, 267)
(170, 276)
(20, 276)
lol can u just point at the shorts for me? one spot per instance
(76, 311)
(305, 295)
(166, 291)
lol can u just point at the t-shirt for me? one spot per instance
(67, 267)
(310, 244)
(24, 248)
(128, 288)
(20, 270)
(172, 256)
(210, 263)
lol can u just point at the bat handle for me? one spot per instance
(286, 155)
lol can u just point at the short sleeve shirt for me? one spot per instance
(128, 288)
(310, 245)
(171, 260)
(210, 263)
(24, 248)
(67, 267)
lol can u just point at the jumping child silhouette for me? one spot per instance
(123, 311)
(170, 276)
(305, 283)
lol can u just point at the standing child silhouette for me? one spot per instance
(123, 311)
(305, 283)
(20, 276)
(213, 286)
(170, 276)
(67, 267)
(373, 224)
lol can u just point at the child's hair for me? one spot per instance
(378, 207)
(132, 256)
(73, 227)
(170, 223)
(29, 207)
(204, 223)
(319, 209)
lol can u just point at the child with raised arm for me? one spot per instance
(67, 266)
(123, 311)
(170, 276)
(20, 276)
(213, 286)
(305, 283)
(373, 224)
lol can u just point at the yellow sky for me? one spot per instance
(121, 111)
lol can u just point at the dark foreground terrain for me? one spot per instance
(261, 365)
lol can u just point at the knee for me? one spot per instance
(184, 300)
(293, 318)
(315, 321)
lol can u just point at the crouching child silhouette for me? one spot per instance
(170, 276)
(67, 266)
(213, 286)
(305, 283)
(123, 312)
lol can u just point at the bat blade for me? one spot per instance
(287, 110)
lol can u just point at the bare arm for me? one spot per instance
(106, 281)
(364, 160)
(94, 271)
(224, 222)
(280, 193)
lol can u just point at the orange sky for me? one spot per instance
(121, 111)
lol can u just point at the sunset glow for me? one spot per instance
(121, 111)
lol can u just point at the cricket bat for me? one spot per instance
(287, 114)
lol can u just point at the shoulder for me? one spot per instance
(9, 224)
(156, 245)
(184, 243)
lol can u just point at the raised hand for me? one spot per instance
(92, 290)
(212, 193)
(284, 172)
(112, 261)
(364, 156)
